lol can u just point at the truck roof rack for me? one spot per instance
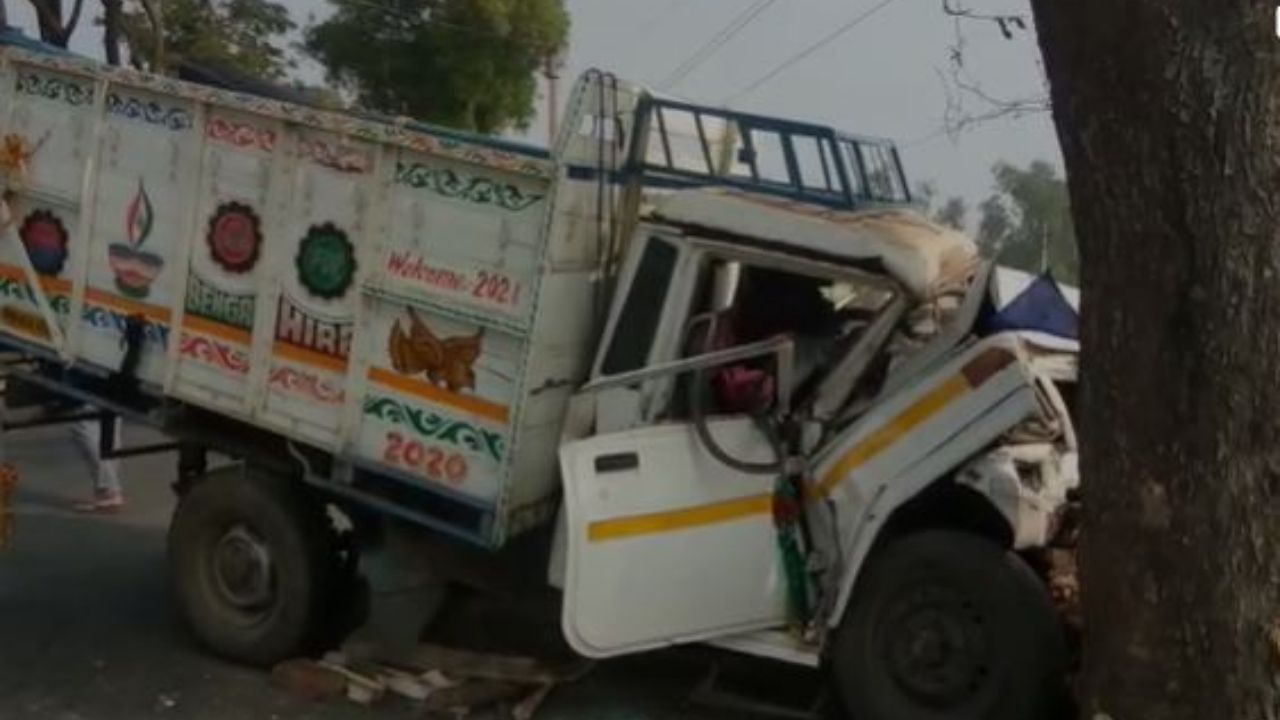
(691, 145)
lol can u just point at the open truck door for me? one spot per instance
(666, 543)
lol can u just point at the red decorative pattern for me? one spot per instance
(334, 157)
(214, 353)
(298, 382)
(241, 135)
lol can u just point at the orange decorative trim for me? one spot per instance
(154, 313)
(216, 329)
(308, 357)
(427, 391)
(50, 284)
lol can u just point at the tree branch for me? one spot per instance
(50, 23)
(70, 26)
(1003, 21)
(957, 84)
(154, 17)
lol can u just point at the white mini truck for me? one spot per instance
(711, 363)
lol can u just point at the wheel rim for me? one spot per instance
(936, 645)
(243, 571)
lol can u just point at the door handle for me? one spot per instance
(617, 462)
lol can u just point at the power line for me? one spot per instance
(717, 41)
(823, 42)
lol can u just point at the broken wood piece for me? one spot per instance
(361, 689)
(475, 665)
(361, 694)
(404, 684)
(473, 695)
(437, 680)
(306, 680)
(525, 709)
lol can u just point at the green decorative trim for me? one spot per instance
(417, 139)
(18, 290)
(452, 184)
(437, 427)
(52, 87)
(208, 302)
(13, 289)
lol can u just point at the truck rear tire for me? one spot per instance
(949, 625)
(253, 564)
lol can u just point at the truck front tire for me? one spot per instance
(948, 625)
(253, 564)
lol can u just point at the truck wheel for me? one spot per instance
(948, 625)
(253, 561)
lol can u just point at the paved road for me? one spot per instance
(87, 631)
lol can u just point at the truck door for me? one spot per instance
(666, 544)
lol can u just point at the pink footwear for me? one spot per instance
(101, 504)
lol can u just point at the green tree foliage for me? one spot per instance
(953, 212)
(469, 64)
(994, 226)
(1027, 222)
(239, 34)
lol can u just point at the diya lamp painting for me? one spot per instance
(134, 267)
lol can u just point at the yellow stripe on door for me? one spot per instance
(880, 440)
(662, 522)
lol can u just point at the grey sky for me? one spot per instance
(882, 78)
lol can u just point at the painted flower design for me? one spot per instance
(326, 262)
(45, 239)
(235, 237)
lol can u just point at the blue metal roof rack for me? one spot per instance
(691, 145)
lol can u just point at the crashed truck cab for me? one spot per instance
(780, 390)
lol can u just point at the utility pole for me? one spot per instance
(551, 71)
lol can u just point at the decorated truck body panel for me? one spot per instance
(360, 287)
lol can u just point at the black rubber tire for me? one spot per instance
(974, 595)
(304, 561)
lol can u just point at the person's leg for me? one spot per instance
(108, 471)
(107, 494)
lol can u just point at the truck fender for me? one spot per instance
(937, 464)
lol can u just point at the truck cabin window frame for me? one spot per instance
(644, 302)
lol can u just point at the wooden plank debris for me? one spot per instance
(440, 679)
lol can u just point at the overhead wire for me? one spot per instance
(810, 50)
(708, 50)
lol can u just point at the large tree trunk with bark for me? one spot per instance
(1169, 117)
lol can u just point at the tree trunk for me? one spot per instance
(4, 15)
(112, 16)
(49, 20)
(1169, 117)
